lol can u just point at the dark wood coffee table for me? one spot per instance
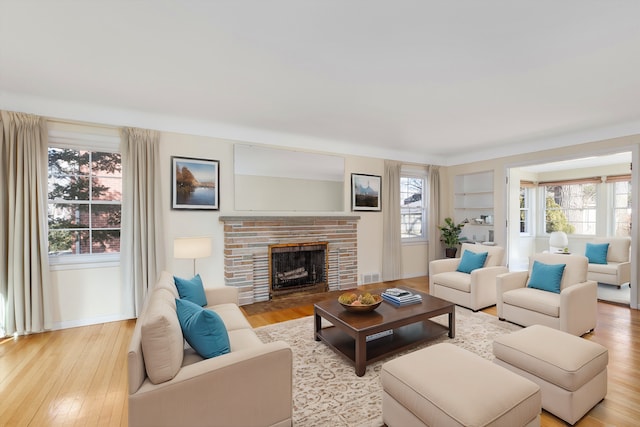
(410, 325)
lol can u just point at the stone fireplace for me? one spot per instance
(250, 240)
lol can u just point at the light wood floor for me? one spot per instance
(78, 376)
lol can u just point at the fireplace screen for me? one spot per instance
(298, 267)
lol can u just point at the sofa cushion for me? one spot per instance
(453, 280)
(166, 281)
(231, 316)
(203, 329)
(471, 261)
(609, 268)
(597, 253)
(618, 248)
(191, 290)
(546, 277)
(161, 337)
(544, 302)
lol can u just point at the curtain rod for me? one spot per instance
(81, 123)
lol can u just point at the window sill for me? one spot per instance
(414, 241)
(81, 262)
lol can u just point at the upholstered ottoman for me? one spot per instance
(571, 371)
(445, 385)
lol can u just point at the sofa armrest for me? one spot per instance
(624, 273)
(579, 307)
(222, 295)
(511, 280)
(487, 274)
(253, 386)
(443, 265)
(507, 282)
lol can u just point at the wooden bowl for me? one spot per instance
(363, 308)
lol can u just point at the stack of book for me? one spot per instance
(400, 297)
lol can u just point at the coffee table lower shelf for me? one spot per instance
(403, 338)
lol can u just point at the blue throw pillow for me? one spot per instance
(203, 329)
(471, 261)
(597, 253)
(191, 289)
(546, 277)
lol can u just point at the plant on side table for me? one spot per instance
(450, 236)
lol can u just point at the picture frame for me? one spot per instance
(366, 192)
(195, 183)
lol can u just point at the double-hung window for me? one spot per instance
(621, 189)
(84, 198)
(571, 207)
(412, 206)
(526, 192)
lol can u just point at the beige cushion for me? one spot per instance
(454, 279)
(447, 385)
(555, 356)
(537, 300)
(495, 254)
(231, 316)
(166, 281)
(574, 272)
(610, 268)
(161, 337)
(618, 248)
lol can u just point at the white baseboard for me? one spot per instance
(87, 322)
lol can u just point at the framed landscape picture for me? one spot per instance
(366, 192)
(195, 183)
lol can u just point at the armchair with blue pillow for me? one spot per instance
(554, 292)
(609, 260)
(468, 281)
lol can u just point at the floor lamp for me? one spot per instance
(192, 248)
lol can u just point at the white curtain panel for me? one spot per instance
(142, 247)
(433, 216)
(24, 263)
(391, 232)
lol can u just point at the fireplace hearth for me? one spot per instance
(298, 268)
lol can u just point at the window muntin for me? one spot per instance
(525, 210)
(84, 202)
(412, 207)
(622, 208)
(571, 208)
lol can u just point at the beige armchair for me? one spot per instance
(573, 310)
(617, 270)
(476, 290)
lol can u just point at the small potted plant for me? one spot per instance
(450, 236)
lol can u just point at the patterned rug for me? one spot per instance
(326, 390)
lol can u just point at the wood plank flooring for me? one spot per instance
(78, 376)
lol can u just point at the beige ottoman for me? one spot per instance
(445, 385)
(571, 371)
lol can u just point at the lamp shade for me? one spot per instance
(192, 247)
(558, 239)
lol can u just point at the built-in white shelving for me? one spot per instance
(473, 200)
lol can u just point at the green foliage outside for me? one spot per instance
(555, 219)
(70, 170)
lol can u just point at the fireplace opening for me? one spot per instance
(298, 268)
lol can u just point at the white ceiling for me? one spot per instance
(427, 80)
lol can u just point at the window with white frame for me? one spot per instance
(84, 199)
(525, 209)
(412, 207)
(621, 207)
(571, 207)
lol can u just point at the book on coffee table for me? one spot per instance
(405, 298)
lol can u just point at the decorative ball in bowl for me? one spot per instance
(359, 303)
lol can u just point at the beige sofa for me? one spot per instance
(171, 385)
(573, 310)
(617, 270)
(476, 290)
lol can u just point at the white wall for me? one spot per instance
(93, 295)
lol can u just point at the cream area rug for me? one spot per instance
(326, 390)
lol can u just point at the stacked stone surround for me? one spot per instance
(246, 249)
